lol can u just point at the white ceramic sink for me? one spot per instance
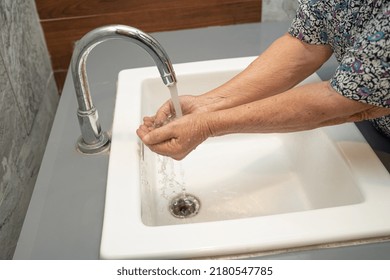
(257, 193)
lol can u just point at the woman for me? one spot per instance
(263, 99)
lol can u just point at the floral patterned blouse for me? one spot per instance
(359, 34)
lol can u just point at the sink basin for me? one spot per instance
(254, 193)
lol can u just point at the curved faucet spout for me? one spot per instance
(92, 138)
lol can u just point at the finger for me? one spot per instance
(144, 127)
(169, 148)
(149, 121)
(150, 125)
(159, 135)
(163, 113)
(142, 131)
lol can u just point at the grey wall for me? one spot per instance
(278, 10)
(28, 100)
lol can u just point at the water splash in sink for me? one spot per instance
(164, 185)
(170, 177)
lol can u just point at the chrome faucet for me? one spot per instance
(92, 139)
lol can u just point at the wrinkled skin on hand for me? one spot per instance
(188, 103)
(171, 137)
(175, 139)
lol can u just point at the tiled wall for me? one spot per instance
(28, 101)
(279, 10)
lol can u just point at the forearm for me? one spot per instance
(283, 65)
(301, 108)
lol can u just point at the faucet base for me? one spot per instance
(102, 146)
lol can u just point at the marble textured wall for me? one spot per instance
(28, 101)
(279, 10)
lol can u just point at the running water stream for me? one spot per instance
(175, 100)
(170, 173)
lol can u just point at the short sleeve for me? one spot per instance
(364, 71)
(309, 24)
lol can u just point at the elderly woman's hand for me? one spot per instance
(189, 105)
(176, 138)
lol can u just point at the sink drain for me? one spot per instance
(184, 206)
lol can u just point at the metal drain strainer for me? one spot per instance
(184, 206)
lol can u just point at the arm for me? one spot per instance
(284, 64)
(260, 100)
(301, 108)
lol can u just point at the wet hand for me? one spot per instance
(167, 112)
(175, 139)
